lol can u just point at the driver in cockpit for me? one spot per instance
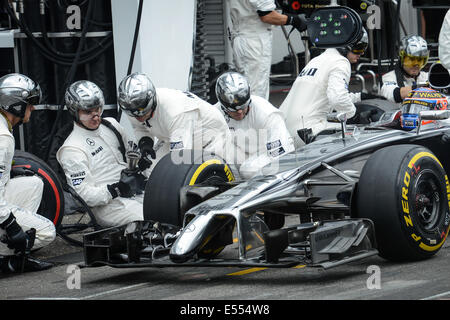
(420, 99)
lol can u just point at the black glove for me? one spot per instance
(146, 147)
(16, 238)
(130, 183)
(298, 21)
(144, 163)
(367, 96)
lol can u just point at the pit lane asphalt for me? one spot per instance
(426, 279)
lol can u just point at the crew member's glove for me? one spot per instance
(146, 147)
(367, 96)
(298, 21)
(15, 238)
(130, 183)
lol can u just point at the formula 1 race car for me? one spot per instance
(367, 189)
(373, 189)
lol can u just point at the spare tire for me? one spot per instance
(52, 204)
(162, 191)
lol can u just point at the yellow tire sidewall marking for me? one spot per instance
(411, 163)
(206, 164)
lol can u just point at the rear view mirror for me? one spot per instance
(435, 114)
(438, 76)
(336, 117)
(332, 27)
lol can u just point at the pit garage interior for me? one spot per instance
(182, 44)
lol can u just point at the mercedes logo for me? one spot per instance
(90, 142)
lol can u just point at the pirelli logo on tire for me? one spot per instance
(425, 201)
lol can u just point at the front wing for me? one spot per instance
(323, 244)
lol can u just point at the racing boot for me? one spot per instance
(17, 264)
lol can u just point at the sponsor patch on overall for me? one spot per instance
(176, 145)
(277, 152)
(273, 145)
(77, 178)
(97, 151)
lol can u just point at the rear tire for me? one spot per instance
(403, 190)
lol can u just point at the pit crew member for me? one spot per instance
(20, 196)
(93, 159)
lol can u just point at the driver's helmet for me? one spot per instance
(413, 51)
(83, 95)
(17, 91)
(137, 95)
(418, 100)
(233, 92)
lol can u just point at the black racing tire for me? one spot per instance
(404, 189)
(52, 204)
(162, 191)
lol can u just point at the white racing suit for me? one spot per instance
(21, 196)
(182, 120)
(444, 42)
(91, 160)
(390, 84)
(252, 43)
(320, 88)
(259, 139)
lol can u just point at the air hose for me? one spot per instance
(71, 75)
(135, 38)
(199, 80)
(63, 59)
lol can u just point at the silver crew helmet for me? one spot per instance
(137, 95)
(17, 91)
(413, 49)
(233, 91)
(83, 95)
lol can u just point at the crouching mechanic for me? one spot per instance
(321, 87)
(407, 74)
(21, 196)
(258, 130)
(175, 119)
(93, 158)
